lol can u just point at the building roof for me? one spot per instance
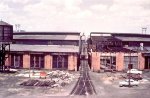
(47, 33)
(44, 48)
(138, 49)
(47, 37)
(138, 39)
(121, 36)
(118, 34)
(114, 49)
(4, 23)
(104, 38)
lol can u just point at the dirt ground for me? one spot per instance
(10, 87)
(106, 85)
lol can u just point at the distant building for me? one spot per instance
(115, 51)
(44, 50)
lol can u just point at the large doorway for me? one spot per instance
(60, 61)
(147, 62)
(37, 61)
(16, 60)
(130, 60)
(108, 62)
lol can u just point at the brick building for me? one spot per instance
(44, 50)
(115, 51)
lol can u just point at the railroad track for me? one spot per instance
(84, 85)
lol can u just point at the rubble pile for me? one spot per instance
(109, 78)
(38, 83)
(54, 79)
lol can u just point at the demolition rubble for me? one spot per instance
(48, 79)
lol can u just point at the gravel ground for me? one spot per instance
(10, 87)
(106, 85)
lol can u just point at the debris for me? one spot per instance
(54, 79)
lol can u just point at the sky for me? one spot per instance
(121, 16)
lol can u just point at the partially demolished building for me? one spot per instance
(115, 51)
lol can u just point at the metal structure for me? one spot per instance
(6, 31)
(84, 85)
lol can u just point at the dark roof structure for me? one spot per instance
(114, 49)
(104, 38)
(120, 37)
(104, 42)
(130, 38)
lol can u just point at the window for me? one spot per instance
(60, 61)
(17, 60)
(37, 61)
(108, 62)
(131, 60)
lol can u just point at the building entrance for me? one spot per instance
(60, 61)
(147, 62)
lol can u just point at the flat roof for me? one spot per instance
(44, 48)
(137, 39)
(46, 33)
(121, 36)
(47, 37)
(119, 33)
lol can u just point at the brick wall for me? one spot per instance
(141, 61)
(72, 62)
(95, 64)
(119, 61)
(47, 63)
(26, 60)
(8, 61)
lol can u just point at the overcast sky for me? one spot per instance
(125, 16)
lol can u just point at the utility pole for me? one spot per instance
(129, 68)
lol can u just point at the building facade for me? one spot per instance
(44, 50)
(116, 51)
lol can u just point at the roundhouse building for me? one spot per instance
(116, 51)
(44, 50)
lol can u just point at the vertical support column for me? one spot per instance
(141, 61)
(75, 62)
(119, 61)
(8, 60)
(71, 62)
(47, 63)
(51, 62)
(26, 60)
(95, 61)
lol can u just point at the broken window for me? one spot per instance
(37, 61)
(108, 62)
(131, 60)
